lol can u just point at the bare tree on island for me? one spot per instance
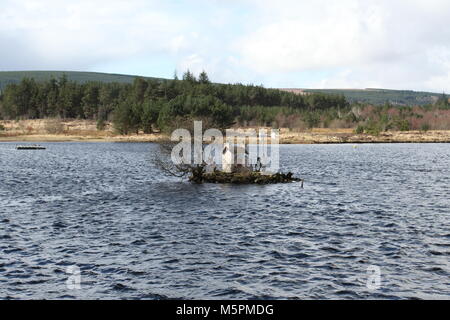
(167, 150)
(194, 153)
(162, 161)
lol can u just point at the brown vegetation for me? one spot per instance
(86, 130)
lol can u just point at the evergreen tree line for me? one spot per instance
(149, 104)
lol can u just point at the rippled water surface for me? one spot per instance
(134, 234)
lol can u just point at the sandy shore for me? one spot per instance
(82, 130)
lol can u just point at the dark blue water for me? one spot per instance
(135, 234)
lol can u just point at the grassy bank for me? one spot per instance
(48, 130)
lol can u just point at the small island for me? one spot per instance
(244, 178)
(235, 166)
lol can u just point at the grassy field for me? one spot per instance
(42, 130)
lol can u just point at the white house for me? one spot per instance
(235, 158)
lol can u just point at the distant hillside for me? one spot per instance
(7, 77)
(378, 96)
(371, 96)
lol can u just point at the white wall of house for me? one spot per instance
(232, 156)
(227, 161)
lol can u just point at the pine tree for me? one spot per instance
(203, 78)
(189, 77)
(443, 101)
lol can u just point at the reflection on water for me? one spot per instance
(135, 234)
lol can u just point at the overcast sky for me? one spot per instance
(397, 44)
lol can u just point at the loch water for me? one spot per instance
(104, 210)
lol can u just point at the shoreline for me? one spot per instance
(78, 138)
(51, 130)
(285, 139)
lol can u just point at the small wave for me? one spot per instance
(330, 249)
(228, 292)
(122, 287)
(155, 296)
(171, 261)
(438, 253)
(139, 242)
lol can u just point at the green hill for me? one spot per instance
(382, 96)
(7, 77)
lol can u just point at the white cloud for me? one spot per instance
(440, 57)
(323, 43)
(382, 43)
(314, 39)
(84, 33)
